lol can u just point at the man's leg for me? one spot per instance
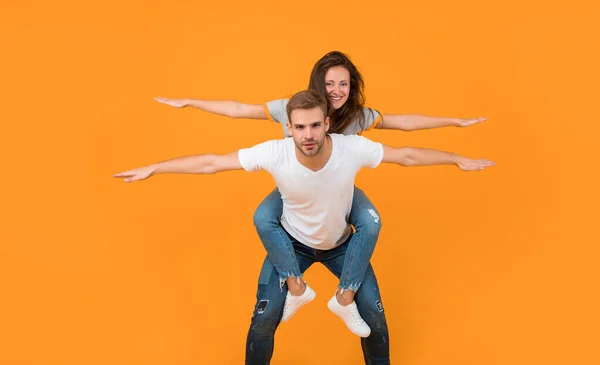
(270, 300)
(375, 347)
(266, 316)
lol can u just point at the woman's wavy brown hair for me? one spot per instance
(352, 110)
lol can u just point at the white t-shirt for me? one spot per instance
(316, 204)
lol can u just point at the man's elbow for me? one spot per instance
(406, 157)
(210, 164)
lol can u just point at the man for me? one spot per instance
(314, 172)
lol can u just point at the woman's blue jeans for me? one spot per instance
(363, 216)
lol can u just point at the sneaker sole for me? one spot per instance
(348, 327)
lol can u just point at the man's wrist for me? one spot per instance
(455, 158)
(154, 168)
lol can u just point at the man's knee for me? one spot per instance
(369, 303)
(267, 315)
(263, 327)
(375, 318)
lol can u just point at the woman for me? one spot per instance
(337, 79)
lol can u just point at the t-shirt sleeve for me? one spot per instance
(258, 157)
(370, 153)
(372, 118)
(276, 112)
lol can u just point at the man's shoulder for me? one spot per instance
(276, 142)
(354, 144)
(348, 139)
(282, 142)
(276, 147)
(264, 155)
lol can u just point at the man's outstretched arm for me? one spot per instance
(196, 164)
(413, 156)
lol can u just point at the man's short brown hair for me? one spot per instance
(306, 99)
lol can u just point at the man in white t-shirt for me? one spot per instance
(314, 172)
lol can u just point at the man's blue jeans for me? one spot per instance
(270, 299)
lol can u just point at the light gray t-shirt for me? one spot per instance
(276, 112)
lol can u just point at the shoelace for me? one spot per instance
(356, 316)
(287, 305)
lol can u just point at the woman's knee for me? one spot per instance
(268, 213)
(364, 215)
(367, 221)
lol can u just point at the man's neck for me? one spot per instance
(318, 161)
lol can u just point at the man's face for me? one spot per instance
(308, 128)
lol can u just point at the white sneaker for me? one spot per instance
(349, 314)
(293, 302)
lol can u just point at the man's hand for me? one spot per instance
(140, 173)
(177, 103)
(467, 164)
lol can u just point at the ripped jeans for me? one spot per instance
(364, 218)
(270, 299)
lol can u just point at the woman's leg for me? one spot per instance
(277, 243)
(365, 219)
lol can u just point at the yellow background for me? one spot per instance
(493, 267)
